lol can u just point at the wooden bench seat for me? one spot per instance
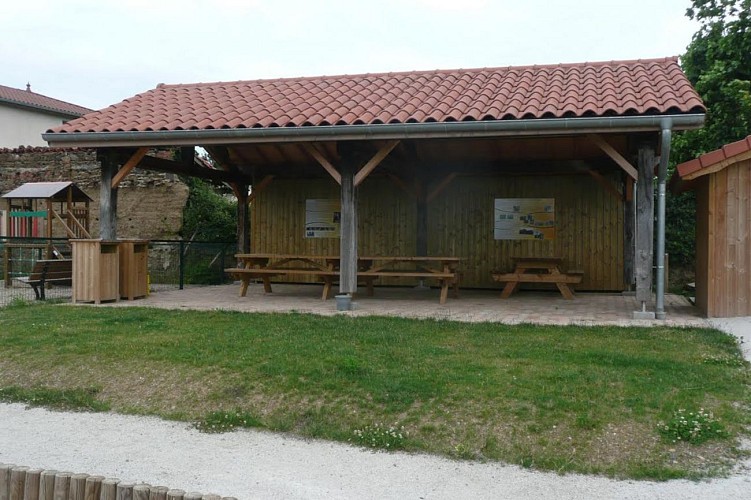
(539, 278)
(446, 279)
(523, 275)
(245, 275)
(48, 271)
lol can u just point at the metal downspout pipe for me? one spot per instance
(662, 175)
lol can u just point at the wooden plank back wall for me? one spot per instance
(589, 233)
(589, 227)
(386, 221)
(729, 292)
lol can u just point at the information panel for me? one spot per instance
(322, 218)
(524, 219)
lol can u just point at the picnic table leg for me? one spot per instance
(327, 282)
(509, 289)
(369, 285)
(245, 281)
(444, 290)
(565, 291)
(267, 284)
(456, 288)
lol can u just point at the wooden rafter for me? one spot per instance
(403, 185)
(160, 165)
(325, 163)
(441, 186)
(382, 153)
(614, 155)
(129, 165)
(602, 181)
(257, 188)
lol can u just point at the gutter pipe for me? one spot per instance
(317, 133)
(662, 175)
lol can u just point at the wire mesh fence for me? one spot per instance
(172, 264)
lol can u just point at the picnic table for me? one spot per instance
(443, 269)
(538, 270)
(265, 266)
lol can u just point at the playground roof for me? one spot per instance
(56, 191)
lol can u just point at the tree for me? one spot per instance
(208, 215)
(718, 64)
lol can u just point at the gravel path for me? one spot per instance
(253, 464)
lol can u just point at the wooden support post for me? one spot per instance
(49, 219)
(47, 485)
(5, 474)
(348, 229)
(644, 226)
(175, 494)
(158, 493)
(124, 491)
(243, 231)
(62, 486)
(93, 487)
(629, 233)
(109, 489)
(31, 484)
(77, 487)
(141, 492)
(108, 198)
(17, 482)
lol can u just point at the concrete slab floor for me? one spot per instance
(471, 306)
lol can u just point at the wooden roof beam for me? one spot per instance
(614, 155)
(173, 167)
(325, 163)
(129, 165)
(375, 161)
(257, 188)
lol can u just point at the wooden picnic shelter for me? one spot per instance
(483, 165)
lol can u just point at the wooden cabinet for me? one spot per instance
(95, 270)
(134, 268)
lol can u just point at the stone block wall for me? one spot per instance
(150, 204)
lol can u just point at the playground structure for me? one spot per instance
(34, 210)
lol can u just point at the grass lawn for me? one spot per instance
(583, 399)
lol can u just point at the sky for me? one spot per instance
(97, 53)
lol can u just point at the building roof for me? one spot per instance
(29, 99)
(715, 160)
(44, 190)
(615, 88)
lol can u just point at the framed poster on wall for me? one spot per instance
(524, 219)
(322, 218)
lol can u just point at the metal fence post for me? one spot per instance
(221, 264)
(182, 264)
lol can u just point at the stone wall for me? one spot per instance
(150, 204)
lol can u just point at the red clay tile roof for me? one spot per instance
(645, 87)
(30, 99)
(725, 154)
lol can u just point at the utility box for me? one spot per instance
(96, 275)
(134, 268)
